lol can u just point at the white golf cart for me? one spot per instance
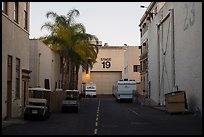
(37, 105)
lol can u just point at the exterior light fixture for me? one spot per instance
(87, 72)
(143, 6)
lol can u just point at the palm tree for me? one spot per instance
(71, 41)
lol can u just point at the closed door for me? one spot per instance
(105, 80)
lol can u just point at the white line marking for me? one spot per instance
(95, 131)
(133, 111)
(96, 124)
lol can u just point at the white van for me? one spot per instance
(124, 90)
(90, 90)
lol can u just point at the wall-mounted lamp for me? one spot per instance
(87, 71)
(143, 6)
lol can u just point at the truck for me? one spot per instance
(71, 102)
(90, 90)
(124, 90)
(37, 105)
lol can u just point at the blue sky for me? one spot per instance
(115, 23)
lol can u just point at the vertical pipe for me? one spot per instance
(172, 48)
(158, 55)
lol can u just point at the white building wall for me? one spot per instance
(45, 65)
(188, 51)
(153, 73)
(33, 57)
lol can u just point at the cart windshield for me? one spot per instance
(72, 95)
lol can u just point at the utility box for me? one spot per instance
(175, 102)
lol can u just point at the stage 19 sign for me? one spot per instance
(106, 62)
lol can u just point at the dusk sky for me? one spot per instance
(115, 23)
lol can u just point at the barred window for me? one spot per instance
(25, 16)
(136, 68)
(4, 7)
(15, 12)
(17, 78)
(9, 68)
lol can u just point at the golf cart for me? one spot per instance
(71, 102)
(37, 105)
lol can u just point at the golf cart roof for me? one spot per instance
(71, 90)
(39, 89)
(58, 89)
(37, 100)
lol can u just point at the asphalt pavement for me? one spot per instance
(141, 118)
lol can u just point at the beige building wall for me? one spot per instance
(112, 54)
(15, 42)
(110, 67)
(133, 59)
(133, 53)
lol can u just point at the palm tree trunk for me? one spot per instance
(69, 75)
(64, 73)
(65, 82)
(72, 73)
(76, 77)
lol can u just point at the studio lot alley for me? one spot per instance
(105, 116)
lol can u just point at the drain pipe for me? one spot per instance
(172, 48)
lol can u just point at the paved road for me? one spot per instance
(105, 116)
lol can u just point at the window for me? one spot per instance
(136, 68)
(17, 78)
(59, 86)
(9, 69)
(15, 13)
(4, 7)
(55, 84)
(25, 16)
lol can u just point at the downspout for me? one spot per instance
(172, 48)
(158, 45)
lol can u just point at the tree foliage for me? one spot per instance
(71, 41)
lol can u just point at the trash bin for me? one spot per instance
(175, 102)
